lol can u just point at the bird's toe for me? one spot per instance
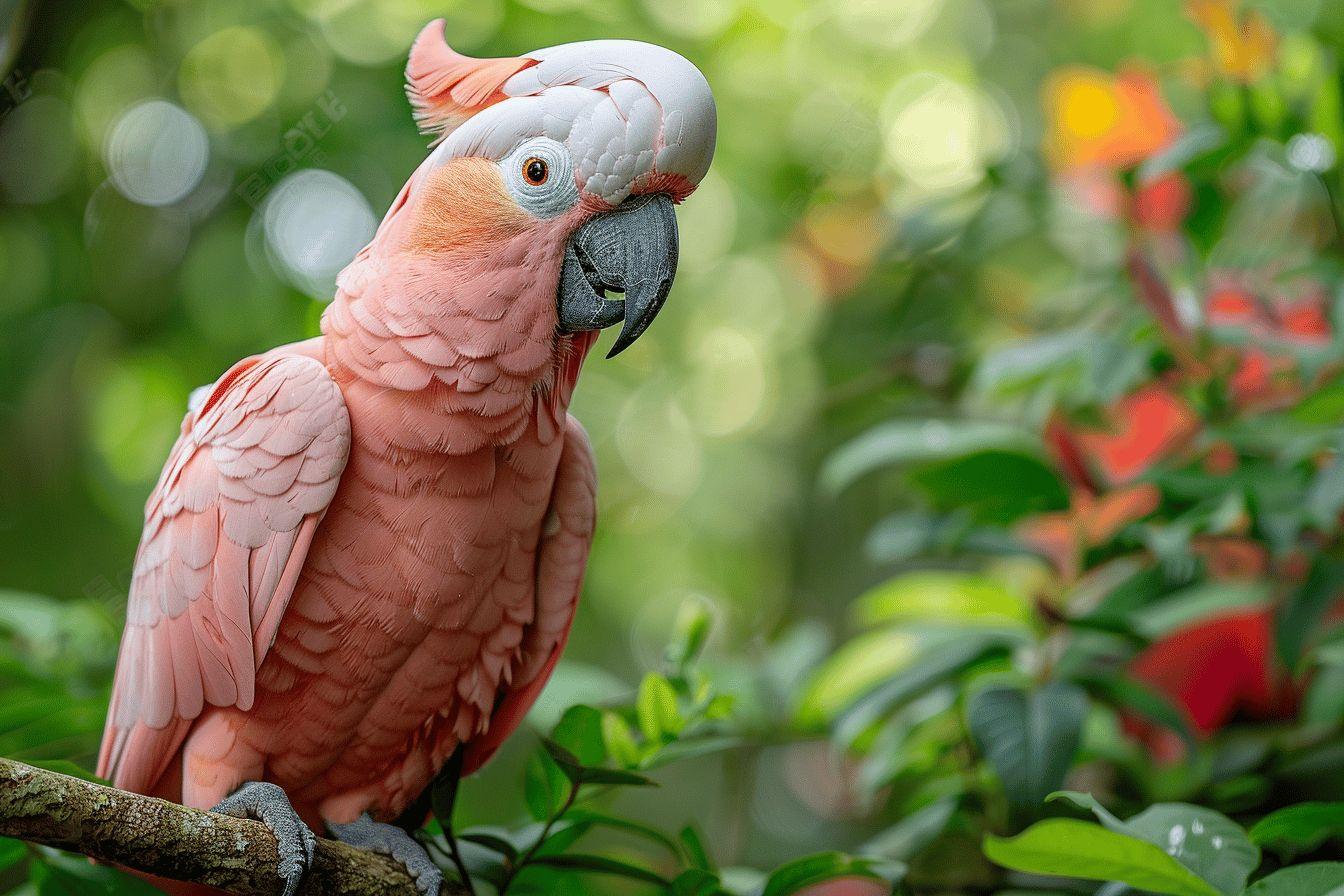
(295, 842)
(390, 840)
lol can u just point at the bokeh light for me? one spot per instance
(314, 222)
(232, 76)
(156, 153)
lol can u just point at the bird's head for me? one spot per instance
(567, 161)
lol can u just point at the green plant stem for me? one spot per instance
(541, 838)
(455, 854)
(1332, 201)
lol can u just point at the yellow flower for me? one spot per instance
(1097, 119)
(1242, 45)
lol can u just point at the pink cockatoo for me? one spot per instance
(364, 554)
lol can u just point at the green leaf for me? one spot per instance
(1207, 842)
(1061, 847)
(63, 874)
(1299, 617)
(11, 852)
(720, 707)
(908, 441)
(1323, 704)
(935, 596)
(639, 829)
(564, 834)
(580, 732)
(491, 841)
(1311, 879)
(994, 487)
(1325, 496)
(545, 786)
(601, 865)
(693, 624)
(941, 654)
(619, 740)
(1195, 603)
(1129, 694)
(656, 708)
(1140, 589)
(820, 867)
(1088, 803)
(905, 839)
(695, 882)
(1299, 829)
(1030, 738)
(1325, 406)
(617, 777)
(566, 761)
(695, 850)
(854, 669)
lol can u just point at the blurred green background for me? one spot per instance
(904, 192)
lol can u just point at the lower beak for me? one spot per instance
(631, 249)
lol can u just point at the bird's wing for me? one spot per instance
(226, 533)
(561, 559)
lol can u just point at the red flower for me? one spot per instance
(1267, 336)
(1144, 427)
(1212, 671)
(1161, 205)
(1305, 322)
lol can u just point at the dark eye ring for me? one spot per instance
(536, 171)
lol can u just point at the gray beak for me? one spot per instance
(631, 249)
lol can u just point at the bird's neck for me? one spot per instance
(454, 353)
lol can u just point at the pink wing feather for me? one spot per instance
(561, 560)
(226, 533)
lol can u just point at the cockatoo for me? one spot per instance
(364, 554)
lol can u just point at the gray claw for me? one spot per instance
(268, 804)
(390, 840)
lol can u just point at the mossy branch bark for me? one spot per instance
(172, 841)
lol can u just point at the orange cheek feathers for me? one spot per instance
(464, 204)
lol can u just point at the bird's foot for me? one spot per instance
(390, 840)
(268, 804)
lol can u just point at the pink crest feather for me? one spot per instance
(446, 88)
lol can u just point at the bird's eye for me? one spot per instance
(539, 175)
(535, 171)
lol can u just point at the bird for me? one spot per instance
(364, 553)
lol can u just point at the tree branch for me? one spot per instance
(172, 841)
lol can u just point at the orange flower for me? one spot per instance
(1243, 45)
(1091, 520)
(1104, 120)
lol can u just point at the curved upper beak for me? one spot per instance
(631, 249)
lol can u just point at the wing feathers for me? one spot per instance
(227, 531)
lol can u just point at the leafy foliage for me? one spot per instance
(1075, 416)
(591, 755)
